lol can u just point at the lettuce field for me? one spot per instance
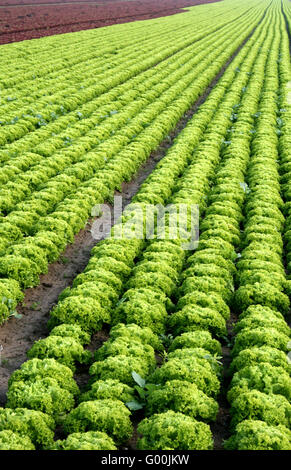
(148, 342)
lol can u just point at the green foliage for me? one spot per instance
(272, 409)
(120, 253)
(222, 246)
(171, 431)
(263, 320)
(256, 337)
(120, 269)
(97, 276)
(10, 295)
(72, 331)
(209, 270)
(144, 307)
(83, 311)
(183, 397)
(146, 266)
(169, 248)
(209, 256)
(261, 293)
(10, 440)
(31, 252)
(153, 255)
(35, 425)
(142, 389)
(110, 416)
(91, 440)
(109, 388)
(157, 281)
(193, 370)
(119, 368)
(65, 350)
(257, 276)
(41, 395)
(253, 252)
(262, 377)
(91, 290)
(192, 318)
(210, 300)
(258, 435)
(57, 225)
(260, 309)
(196, 339)
(126, 347)
(46, 242)
(23, 270)
(199, 354)
(207, 285)
(257, 354)
(36, 369)
(136, 333)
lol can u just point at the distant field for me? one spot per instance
(28, 19)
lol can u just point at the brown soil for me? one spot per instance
(220, 429)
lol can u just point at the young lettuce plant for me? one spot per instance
(9, 304)
(143, 390)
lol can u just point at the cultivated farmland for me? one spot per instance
(30, 19)
(148, 338)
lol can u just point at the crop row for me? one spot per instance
(47, 123)
(53, 215)
(100, 112)
(286, 8)
(90, 114)
(110, 48)
(206, 290)
(260, 390)
(48, 52)
(181, 406)
(115, 65)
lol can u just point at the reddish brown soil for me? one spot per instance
(18, 334)
(29, 19)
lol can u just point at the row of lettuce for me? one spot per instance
(100, 80)
(287, 11)
(47, 205)
(260, 367)
(98, 74)
(147, 289)
(260, 385)
(56, 53)
(114, 64)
